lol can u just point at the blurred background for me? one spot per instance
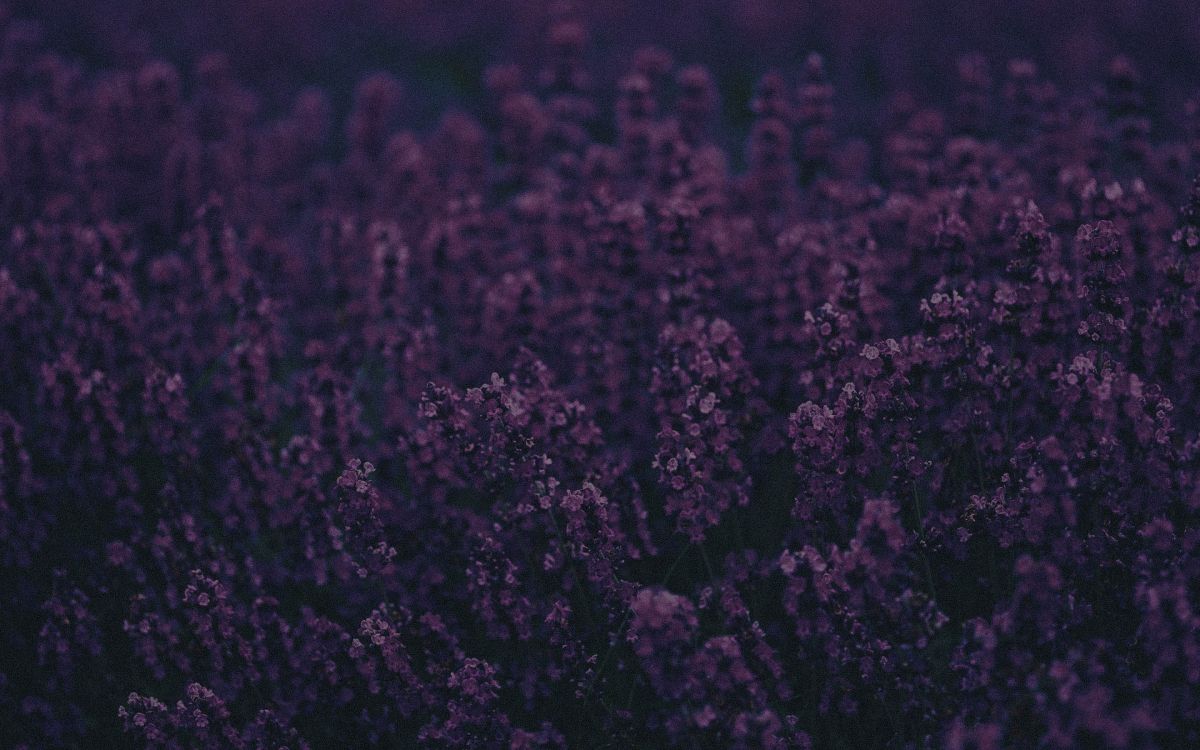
(441, 48)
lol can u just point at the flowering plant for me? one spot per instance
(566, 422)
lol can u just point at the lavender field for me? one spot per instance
(731, 375)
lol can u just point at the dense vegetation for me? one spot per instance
(561, 425)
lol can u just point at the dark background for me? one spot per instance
(440, 48)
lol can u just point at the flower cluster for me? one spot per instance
(603, 410)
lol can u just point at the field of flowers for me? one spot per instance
(586, 404)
